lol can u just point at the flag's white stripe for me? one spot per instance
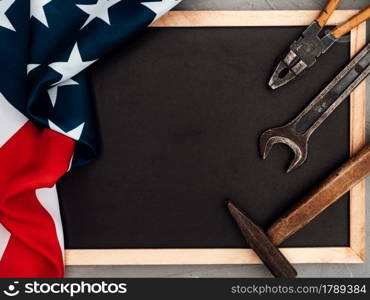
(4, 239)
(48, 198)
(11, 120)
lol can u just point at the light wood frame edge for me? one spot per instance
(212, 256)
(355, 253)
(357, 141)
(259, 18)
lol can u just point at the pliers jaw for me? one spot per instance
(287, 70)
(302, 54)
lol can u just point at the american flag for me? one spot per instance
(47, 121)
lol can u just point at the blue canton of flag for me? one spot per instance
(45, 46)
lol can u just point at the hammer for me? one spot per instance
(321, 197)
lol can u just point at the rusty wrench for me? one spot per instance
(296, 133)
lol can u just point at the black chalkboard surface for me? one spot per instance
(180, 111)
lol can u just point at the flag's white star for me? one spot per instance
(4, 21)
(31, 67)
(98, 10)
(70, 68)
(37, 10)
(73, 134)
(160, 7)
(53, 92)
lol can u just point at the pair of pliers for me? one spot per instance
(304, 52)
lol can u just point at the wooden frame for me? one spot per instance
(355, 253)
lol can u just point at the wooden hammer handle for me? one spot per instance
(325, 14)
(356, 20)
(335, 186)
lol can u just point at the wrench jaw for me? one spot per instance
(298, 144)
(300, 156)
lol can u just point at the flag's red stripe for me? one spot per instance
(33, 158)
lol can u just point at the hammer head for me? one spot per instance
(298, 143)
(261, 244)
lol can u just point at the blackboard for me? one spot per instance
(180, 111)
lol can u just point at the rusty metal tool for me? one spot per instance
(329, 191)
(297, 132)
(261, 244)
(303, 52)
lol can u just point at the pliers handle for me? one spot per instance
(327, 11)
(356, 20)
(346, 27)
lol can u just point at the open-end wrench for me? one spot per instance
(296, 133)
